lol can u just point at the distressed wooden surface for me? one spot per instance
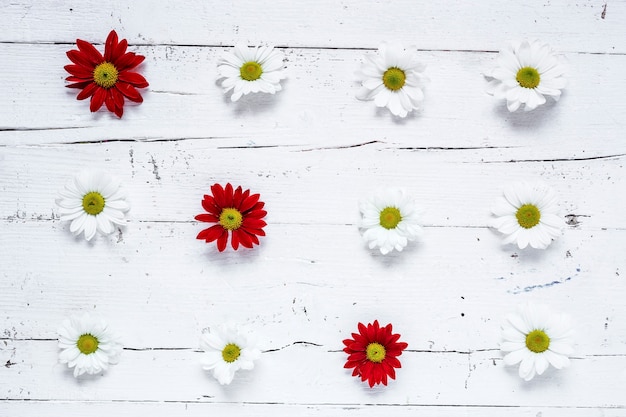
(312, 151)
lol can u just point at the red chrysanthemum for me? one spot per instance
(236, 212)
(106, 79)
(373, 353)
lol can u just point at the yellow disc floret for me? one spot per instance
(528, 216)
(251, 71)
(390, 217)
(87, 344)
(528, 77)
(93, 203)
(105, 75)
(375, 352)
(537, 341)
(231, 219)
(394, 78)
(231, 352)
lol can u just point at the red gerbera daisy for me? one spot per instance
(106, 79)
(236, 212)
(373, 353)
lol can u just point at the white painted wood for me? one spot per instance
(312, 151)
(581, 26)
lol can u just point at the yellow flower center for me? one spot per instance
(93, 203)
(537, 341)
(528, 77)
(394, 78)
(251, 71)
(231, 219)
(105, 75)
(231, 352)
(87, 344)
(528, 216)
(390, 217)
(375, 352)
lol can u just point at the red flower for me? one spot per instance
(106, 79)
(237, 212)
(373, 353)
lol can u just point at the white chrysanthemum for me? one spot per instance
(393, 78)
(528, 215)
(87, 345)
(390, 220)
(526, 73)
(93, 201)
(247, 70)
(536, 338)
(228, 348)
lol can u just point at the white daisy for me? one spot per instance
(93, 201)
(87, 345)
(536, 338)
(393, 78)
(527, 72)
(390, 220)
(246, 70)
(528, 214)
(228, 348)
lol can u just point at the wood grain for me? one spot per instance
(312, 152)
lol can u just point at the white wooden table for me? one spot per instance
(312, 151)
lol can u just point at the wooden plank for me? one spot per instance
(166, 180)
(317, 107)
(304, 374)
(447, 293)
(582, 26)
(194, 409)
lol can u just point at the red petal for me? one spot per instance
(228, 195)
(128, 61)
(88, 91)
(209, 218)
(109, 46)
(218, 195)
(118, 98)
(253, 223)
(79, 71)
(129, 92)
(256, 214)
(97, 100)
(235, 239)
(237, 198)
(253, 238)
(80, 84)
(244, 238)
(212, 233)
(222, 240)
(249, 202)
(119, 51)
(80, 59)
(108, 101)
(133, 78)
(90, 52)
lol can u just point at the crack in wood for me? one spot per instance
(590, 158)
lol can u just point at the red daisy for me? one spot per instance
(235, 211)
(373, 353)
(106, 79)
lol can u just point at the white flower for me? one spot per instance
(536, 338)
(246, 70)
(390, 219)
(526, 73)
(87, 345)
(393, 78)
(92, 201)
(528, 214)
(228, 348)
